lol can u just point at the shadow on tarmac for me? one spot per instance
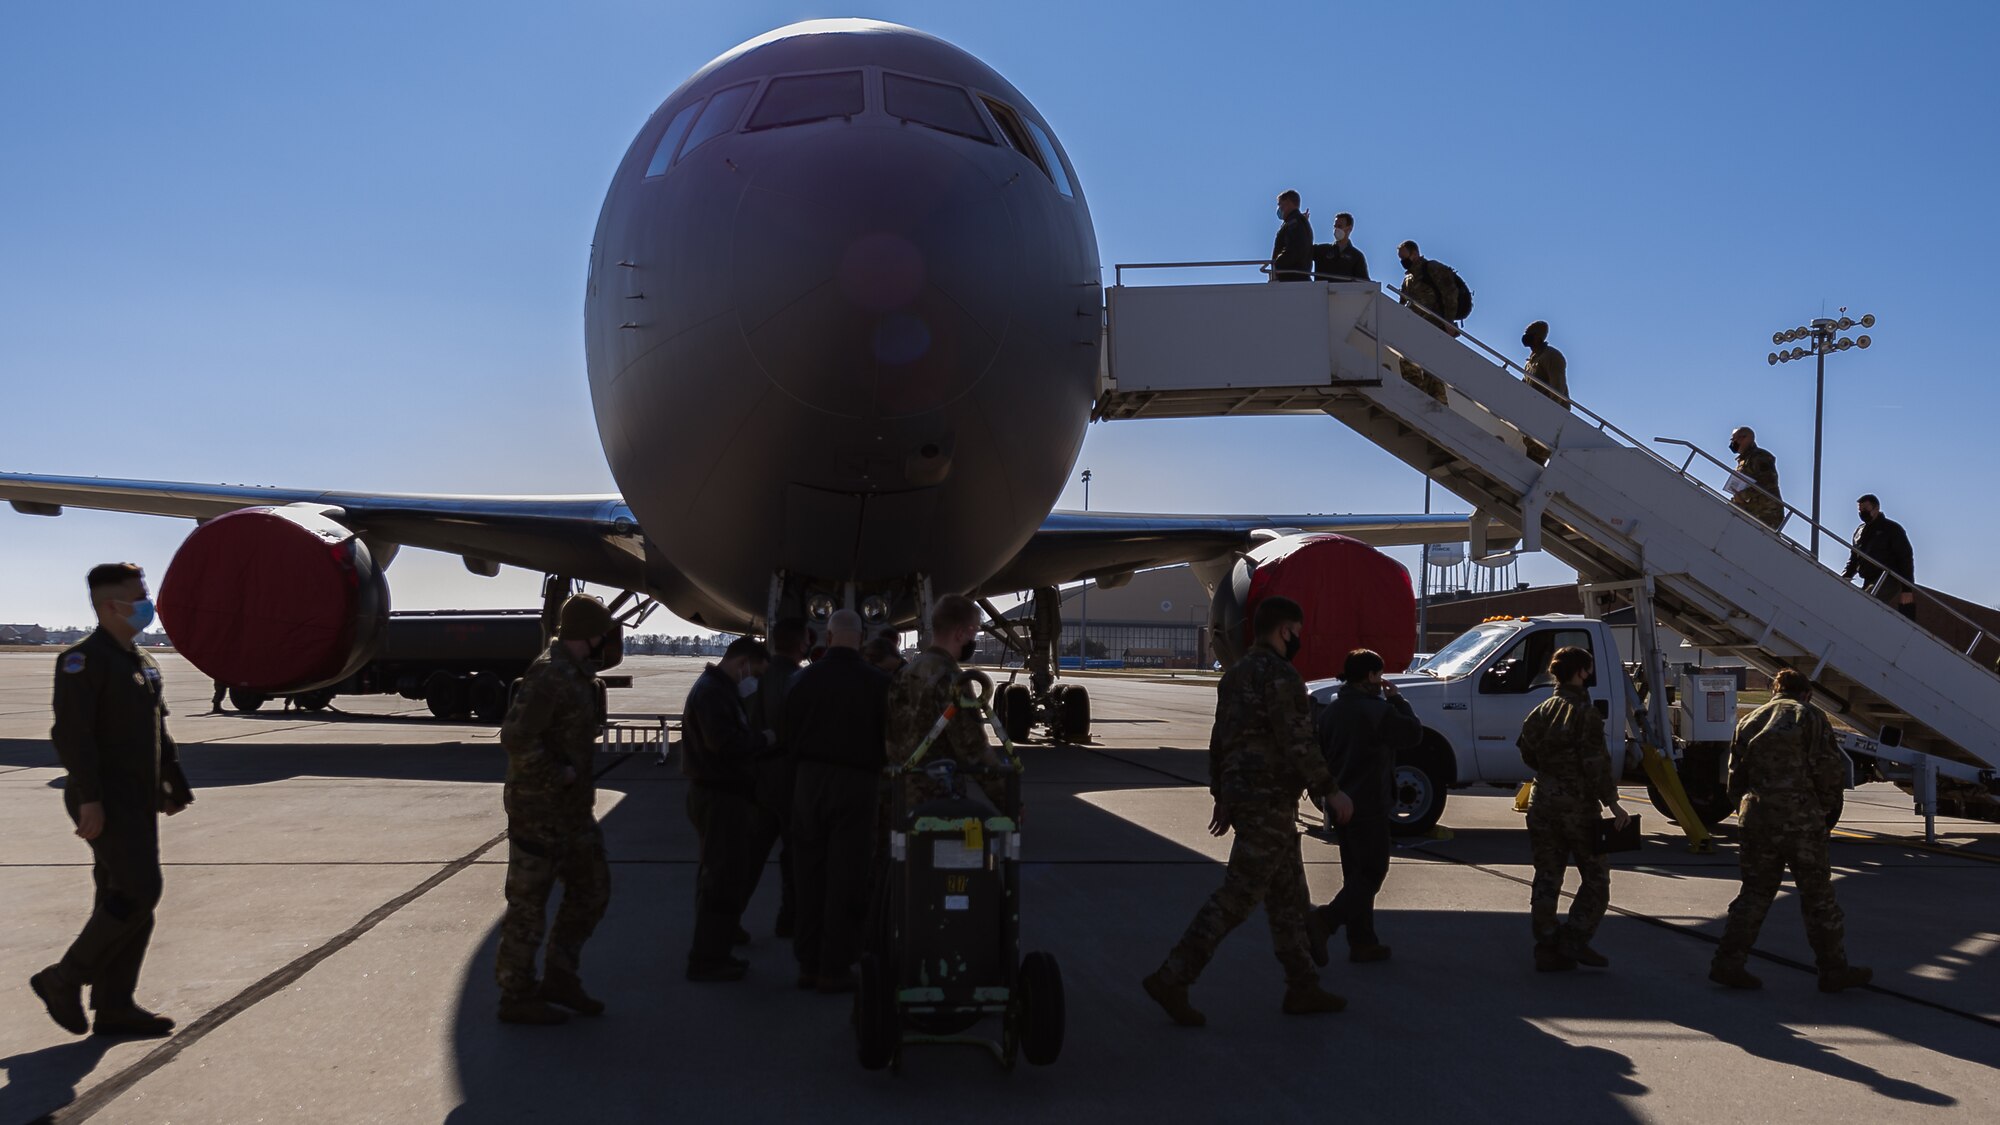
(40, 1082)
(1457, 1026)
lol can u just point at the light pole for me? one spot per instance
(1083, 641)
(1824, 333)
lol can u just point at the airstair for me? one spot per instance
(1607, 504)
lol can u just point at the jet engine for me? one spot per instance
(1354, 596)
(275, 600)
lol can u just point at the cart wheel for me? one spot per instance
(875, 1024)
(1041, 988)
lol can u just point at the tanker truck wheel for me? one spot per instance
(243, 699)
(444, 694)
(488, 695)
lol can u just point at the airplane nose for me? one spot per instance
(873, 270)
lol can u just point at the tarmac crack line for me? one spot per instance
(87, 1105)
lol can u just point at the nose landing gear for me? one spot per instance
(1062, 709)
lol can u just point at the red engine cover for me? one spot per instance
(274, 600)
(1354, 596)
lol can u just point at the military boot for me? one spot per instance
(1582, 954)
(1549, 959)
(1734, 976)
(131, 1021)
(566, 989)
(1847, 976)
(1173, 998)
(63, 999)
(1308, 998)
(531, 1010)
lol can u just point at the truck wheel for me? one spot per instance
(1041, 1008)
(314, 700)
(875, 1024)
(1417, 792)
(1072, 715)
(488, 696)
(1017, 711)
(243, 699)
(444, 693)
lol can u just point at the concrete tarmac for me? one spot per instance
(327, 936)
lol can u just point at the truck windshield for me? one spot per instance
(1470, 650)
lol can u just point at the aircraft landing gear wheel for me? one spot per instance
(1017, 711)
(1417, 791)
(444, 694)
(488, 695)
(1040, 1006)
(875, 1024)
(1072, 714)
(243, 699)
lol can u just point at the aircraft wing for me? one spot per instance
(593, 538)
(1104, 545)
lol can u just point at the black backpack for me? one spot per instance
(1452, 291)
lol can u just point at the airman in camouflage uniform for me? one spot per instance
(1262, 754)
(1756, 465)
(1562, 740)
(1421, 294)
(1786, 771)
(923, 691)
(550, 735)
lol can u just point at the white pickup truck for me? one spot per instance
(1473, 695)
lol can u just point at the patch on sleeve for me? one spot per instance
(73, 662)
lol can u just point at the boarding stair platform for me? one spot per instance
(1618, 510)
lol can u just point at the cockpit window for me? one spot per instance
(809, 97)
(1010, 129)
(1028, 139)
(1051, 162)
(720, 116)
(934, 104)
(671, 139)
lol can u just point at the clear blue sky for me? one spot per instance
(344, 245)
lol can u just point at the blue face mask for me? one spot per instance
(1281, 214)
(141, 615)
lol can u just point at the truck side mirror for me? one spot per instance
(1492, 682)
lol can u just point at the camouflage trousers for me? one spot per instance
(540, 854)
(1562, 833)
(1779, 831)
(1425, 381)
(1761, 508)
(1264, 866)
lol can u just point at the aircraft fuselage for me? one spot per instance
(842, 318)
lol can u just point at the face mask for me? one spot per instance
(595, 657)
(1291, 646)
(1527, 341)
(141, 615)
(747, 687)
(1281, 214)
(965, 650)
(1868, 517)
